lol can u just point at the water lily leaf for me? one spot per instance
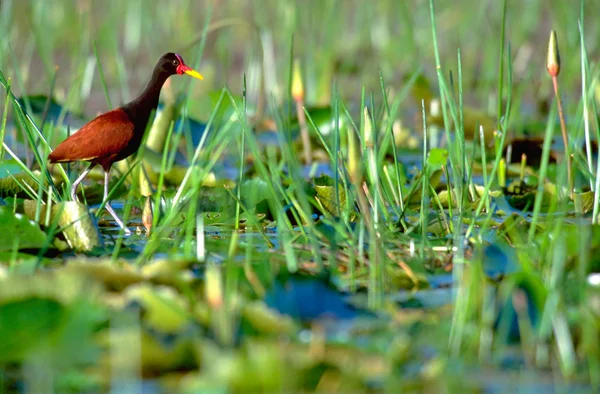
(255, 195)
(78, 224)
(19, 232)
(512, 170)
(14, 185)
(584, 202)
(164, 309)
(265, 366)
(47, 313)
(401, 279)
(13, 179)
(23, 262)
(114, 276)
(521, 196)
(267, 321)
(254, 191)
(324, 119)
(515, 230)
(327, 195)
(444, 196)
(436, 159)
(146, 349)
(30, 320)
(165, 332)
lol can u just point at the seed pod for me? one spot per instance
(553, 56)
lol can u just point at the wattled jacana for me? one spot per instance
(117, 134)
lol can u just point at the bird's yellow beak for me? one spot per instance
(193, 73)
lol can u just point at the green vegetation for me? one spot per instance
(360, 196)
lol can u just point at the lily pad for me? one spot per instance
(19, 232)
(49, 314)
(12, 179)
(524, 196)
(326, 194)
(324, 119)
(584, 202)
(77, 224)
(162, 341)
(437, 158)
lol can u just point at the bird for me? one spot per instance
(117, 134)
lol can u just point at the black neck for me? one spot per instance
(139, 109)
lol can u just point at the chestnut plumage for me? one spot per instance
(117, 134)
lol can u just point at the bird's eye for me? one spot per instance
(176, 62)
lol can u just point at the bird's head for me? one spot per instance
(173, 63)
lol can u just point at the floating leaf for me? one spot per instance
(521, 196)
(327, 196)
(584, 202)
(164, 309)
(267, 321)
(31, 320)
(47, 313)
(78, 225)
(324, 119)
(436, 159)
(515, 230)
(13, 179)
(444, 197)
(114, 276)
(254, 191)
(19, 232)
(164, 335)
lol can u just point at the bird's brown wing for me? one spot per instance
(104, 136)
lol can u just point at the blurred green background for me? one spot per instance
(341, 42)
(343, 47)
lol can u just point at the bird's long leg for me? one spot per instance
(78, 181)
(109, 208)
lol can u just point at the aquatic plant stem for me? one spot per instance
(298, 95)
(553, 68)
(565, 136)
